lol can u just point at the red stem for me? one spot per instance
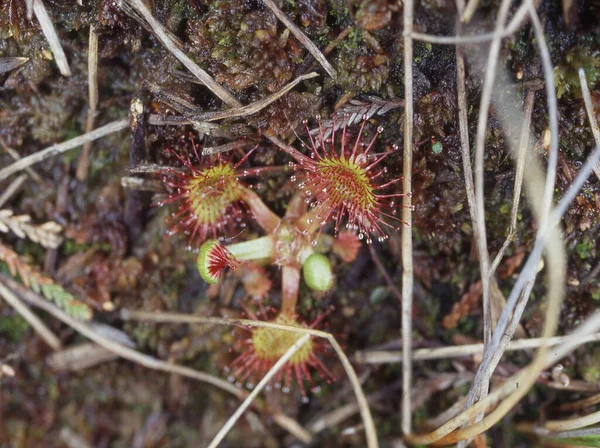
(289, 289)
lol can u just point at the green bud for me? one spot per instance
(317, 272)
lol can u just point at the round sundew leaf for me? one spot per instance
(317, 272)
(204, 262)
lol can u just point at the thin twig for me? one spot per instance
(259, 387)
(83, 164)
(12, 188)
(40, 328)
(240, 144)
(50, 33)
(579, 404)
(59, 148)
(547, 436)
(456, 351)
(164, 37)
(8, 64)
(407, 246)
(293, 427)
(486, 97)
(516, 22)
(384, 273)
(298, 34)
(469, 11)
(521, 157)
(16, 156)
(261, 104)
(589, 107)
(573, 423)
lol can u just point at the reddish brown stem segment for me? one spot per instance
(289, 289)
(265, 218)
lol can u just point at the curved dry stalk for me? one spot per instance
(59, 148)
(84, 163)
(424, 354)
(12, 188)
(259, 387)
(261, 104)
(293, 427)
(298, 34)
(579, 404)
(521, 157)
(516, 22)
(589, 108)
(40, 328)
(164, 37)
(486, 98)
(50, 34)
(469, 11)
(365, 412)
(407, 244)
(573, 423)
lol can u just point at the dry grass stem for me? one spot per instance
(520, 169)
(50, 33)
(40, 328)
(423, 354)
(8, 64)
(259, 105)
(139, 184)
(589, 108)
(16, 156)
(12, 188)
(573, 423)
(150, 168)
(72, 439)
(191, 319)
(515, 23)
(293, 427)
(80, 357)
(83, 164)
(240, 144)
(384, 273)
(47, 234)
(481, 234)
(298, 34)
(259, 387)
(59, 148)
(167, 40)
(407, 244)
(579, 404)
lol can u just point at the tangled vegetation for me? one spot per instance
(203, 122)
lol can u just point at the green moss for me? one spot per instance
(585, 55)
(13, 327)
(584, 250)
